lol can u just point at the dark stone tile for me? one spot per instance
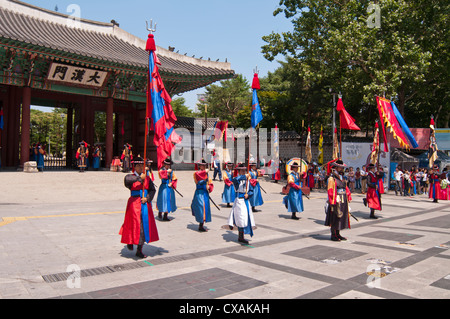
(394, 236)
(437, 222)
(210, 283)
(443, 283)
(321, 253)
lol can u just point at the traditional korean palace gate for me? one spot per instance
(86, 67)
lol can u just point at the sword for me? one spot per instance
(213, 202)
(207, 174)
(262, 188)
(177, 192)
(353, 217)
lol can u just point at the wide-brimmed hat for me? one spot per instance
(371, 166)
(138, 160)
(339, 163)
(241, 166)
(230, 163)
(168, 161)
(295, 164)
(202, 162)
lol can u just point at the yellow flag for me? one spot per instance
(320, 160)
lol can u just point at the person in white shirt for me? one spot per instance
(363, 179)
(398, 174)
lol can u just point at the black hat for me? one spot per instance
(252, 163)
(339, 163)
(371, 166)
(138, 160)
(230, 163)
(202, 162)
(168, 161)
(295, 164)
(241, 166)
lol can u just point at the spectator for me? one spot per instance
(406, 182)
(398, 175)
(363, 179)
(358, 178)
(351, 179)
(217, 168)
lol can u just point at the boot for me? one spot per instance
(139, 252)
(130, 247)
(202, 229)
(255, 210)
(166, 218)
(334, 236)
(338, 233)
(241, 238)
(294, 216)
(160, 215)
(372, 214)
(365, 202)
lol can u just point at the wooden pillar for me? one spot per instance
(69, 134)
(9, 128)
(25, 128)
(109, 131)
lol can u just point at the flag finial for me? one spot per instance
(151, 29)
(151, 45)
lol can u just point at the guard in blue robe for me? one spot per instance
(201, 208)
(229, 193)
(256, 199)
(166, 202)
(96, 158)
(39, 152)
(294, 200)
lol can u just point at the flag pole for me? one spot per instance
(340, 132)
(149, 47)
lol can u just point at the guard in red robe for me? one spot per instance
(435, 184)
(139, 226)
(310, 177)
(375, 189)
(339, 198)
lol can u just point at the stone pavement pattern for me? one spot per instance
(50, 221)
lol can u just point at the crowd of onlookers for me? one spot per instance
(405, 182)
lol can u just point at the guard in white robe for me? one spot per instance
(241, 214)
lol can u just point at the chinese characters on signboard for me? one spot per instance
(76, 75)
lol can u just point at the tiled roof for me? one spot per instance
(101, 41)
(188, 122)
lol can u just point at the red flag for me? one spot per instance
(347, 122)
(159, 109)
(388, 118)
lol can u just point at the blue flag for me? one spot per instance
(404, 126)
(256, 110)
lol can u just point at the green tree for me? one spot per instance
(49, 128)
(335, 47)
(227, 100)
(179, 107)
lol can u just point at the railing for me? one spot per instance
(55, 164)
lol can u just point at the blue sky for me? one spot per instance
(213, 29)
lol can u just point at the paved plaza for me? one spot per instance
(56, 224)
